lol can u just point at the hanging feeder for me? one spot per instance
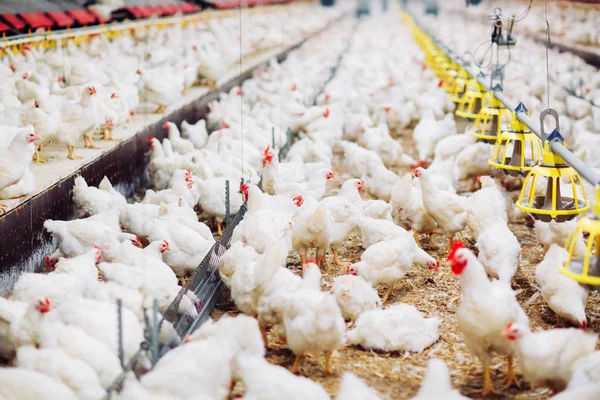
(472, 101)
(553, 205)
(493, 112)
(517, 150)
(585, 269)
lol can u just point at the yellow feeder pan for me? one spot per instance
(493, 112)
(517, 150)
(472, 101)
(553, 205)
(585, 269)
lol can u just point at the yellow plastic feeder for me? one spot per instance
(553, 205)
(493, 112)
(517, 150)
(585, 269)
(472, 101)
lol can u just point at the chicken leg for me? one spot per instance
(511, 378)
(181, 281)
(37, 158)
(263, 333)
(219, 229)
(416, 236)
(71, 155)
(296, 366)
(450, 241)
(328, 361)
(107, 135)
(387, 294)
(488, 387)
(3, 208)
(161, 109)
(89, 143)
(336, 258)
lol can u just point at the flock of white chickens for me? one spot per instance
(78, 93)
(346, 181)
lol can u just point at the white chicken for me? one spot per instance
(387, 262)
(499, 251)
(485, 207)
(546, 357)
(92, 201)
(23, 384)
(16, 158)
(449, 210)
(195, 133)
(312, 228)
(73, 373)
(353, 388)
(408, 209)
(354, 295)
(486, 308)
(313, 323)
(271, 382)
(400, 327)
(436, 383)
(563, 295)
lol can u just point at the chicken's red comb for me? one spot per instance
(113, 96)
(239, 91)
(311, 261)
(150, 139)
(510, 324)
(387, 109)
(455, 247)
(165, 125)
(267, 150)
(326, 113)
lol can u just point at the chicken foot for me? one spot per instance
(387, 294)
(336, 258)
(488, 387)
(416, 236)
(3, 208)
(297, 362)
(511, 377)
(328, 354)
(181, 281)
(161, 109)
(89, 143)
(71, 155)
(219, 228)
(37, 158)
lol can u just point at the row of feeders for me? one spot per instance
(552, 190)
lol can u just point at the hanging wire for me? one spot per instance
(241, 94)
(525, 13)
(547, 53)
(474, 58)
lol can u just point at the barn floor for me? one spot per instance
(398, 375)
